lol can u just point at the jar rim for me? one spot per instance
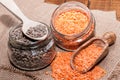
(32, 42)
(82, 6)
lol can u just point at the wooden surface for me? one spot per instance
(106, 5)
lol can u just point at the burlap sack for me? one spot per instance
(39, 11)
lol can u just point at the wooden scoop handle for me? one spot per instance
(110, 37)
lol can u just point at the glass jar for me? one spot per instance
(27, 54)
(72, 24)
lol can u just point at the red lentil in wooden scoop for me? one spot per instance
(92, 52)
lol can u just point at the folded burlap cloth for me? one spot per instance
(39, 11)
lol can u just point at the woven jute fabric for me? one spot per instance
(39, 11)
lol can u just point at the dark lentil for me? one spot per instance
(31, 59)
(18, 36)
(37, 31)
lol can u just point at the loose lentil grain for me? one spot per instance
(61, 69)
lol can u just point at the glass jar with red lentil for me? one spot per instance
(72, 24)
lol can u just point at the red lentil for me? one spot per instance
(61, 69)
(72, 21)
(47, 73)
(75, 43)
(87, 57)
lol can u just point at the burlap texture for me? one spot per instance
(39, 11)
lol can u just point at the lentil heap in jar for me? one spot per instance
(70, 22)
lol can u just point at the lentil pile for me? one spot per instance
(61, 69)
(87, 57)
(32, 59)
(18, 36)
(71, 21)
(37, 31)
(29, 57)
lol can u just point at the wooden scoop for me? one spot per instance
(107, 39)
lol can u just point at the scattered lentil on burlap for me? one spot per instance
(61, 69)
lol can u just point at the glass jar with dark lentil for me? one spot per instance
(72, 24)
(28, 54)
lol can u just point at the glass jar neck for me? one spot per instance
(68, 6)
(25, 42)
